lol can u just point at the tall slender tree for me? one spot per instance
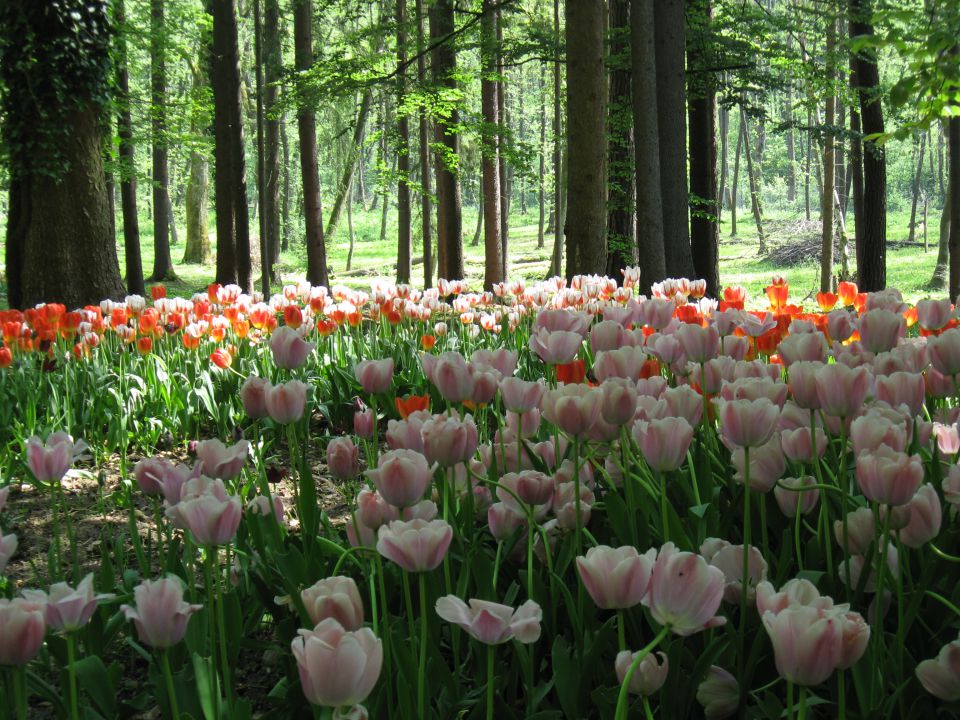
(620, 224)
(559, 220)
(162, 262)
(426, 213)
(826, 196)
(490, 156)
(272, 73)
(404, 242)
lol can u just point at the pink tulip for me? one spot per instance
(565, 505)
(807, 643)
(68, 609)
(221, 461)
(484, 384)
(8, 546)
(451, 375)
(753, 388)
(941, 676)
(649, 676)
(211, 515)
(449, 440)
(616, 578)
(416, 545)
(934, 314)
(619, 401)
(803, 384)
(50, 461)
(334, 597)
(790, 498)
(492, 623)
(363, 423)
(657, 312)
(881, 330)
(160, 614)
(805, 347)
(666, 348)
(861, 531)
(267, 506)
(719, 694)
(553, 320)
(685, 402)
(150, 473)
(699, 344)
(519, 395)
(685, 592)
(373, 511)
(840, 325)
(734, 347)
(798, 447)
(795, 592)
(406, 434)
(664, 443)
(401, 476)
(532, 487)
(729, 560)
(944, 352)
(253, 394)
(653, 386)
(714, 374)
(374, 376)
(624, 362)
(175, 476)
(842, 389)
(607, 335)
(747, 423)
(888, 476)
(22, 628)
(878, 427)
(573, 408)
(289, 350)
(903, 388)
(503, 520)
(948, 438)
(925, 518)
(343, 458)
(525, 425)
(359, 535)
(858, 565)
(337, 667)
(557, 347)
(503, 360)
(286, 402)
(423, 510)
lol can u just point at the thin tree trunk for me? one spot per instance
(404, 243)
(723, 117)
(162, 262)
(285, 205)
(265, 210)
(916, 189)
(475, 242)
(350, 163)
(953, 167)
(826, 198)
(806, 170)
(491, 199)
(753, 183)
(223, 98)
(541, 194)
(307, 127)
(128, 174)
(791, 151)
(856, 173)
(426, 229)
(734, 186)
(503, 121)
(558, 228)
(273, 67)
(620, 172)
(350, 228)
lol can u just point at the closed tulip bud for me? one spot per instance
(948, 438)
(449, 440)
(842, 389)
(856, 637)
(212, 517)
(51, 460)
(222, 461)
(793, 592)
(532, 487)
(875, 428)
(525, 424)
(159, 612)
(374, 376)
(649, 676)
(266, 506)
(792, 499)
(616, 578)
(625, 362)
(729, 559)
(573, 408)
(888, 476)
(807, 643)
(8, 546)
(903, 388)
(363, 423)
(343, 458)
(840, 325)
(607, 335)
(504, 520)
(337, 667)
(423, 510)
(857, 565)
(565, 505)
(484, 385)
(941, 676)
(803, 347)
(334, 597)
(664, 443)
(401, 476)
(798, 447)
(685, 402)
(289, 350)
(68, 609)
(881, 329)
(937, 384)
(861, 531)
(619, 401)
(734, 347)
(492, 623)
(934, 314)
(406, 434)
(925, 518)
(556, 347)
(685, 591)
(656, 312)
(373, 511)
(803, 384)
(719, 694)
(502, 360)
(452, 377)
(286, 402)
(747, 423)
(699, 344)
(416, 545)
(253, 394)
(944, 352)
(149, 474)
(22, 628)
(519, 395)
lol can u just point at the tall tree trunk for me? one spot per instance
(197, 244)
(350, 163)
(556, 258)
(541, 183)
(916, 189)
(162, 263)
(272, 73)
(238, 179)
(723, 120)
(426, 225)
(449, 202)
(224, 100)
(285, 203)
(646, 144)
(734, 186)
(872, 251)
(826, 198)
(586, 131)
(670, 46)
(856, 172)
(806, 169)
(489, 148)
(128, 169)
(475, 242)
(503, 134)
(404, 243)
(941, 272)
(350, 229)
(702, 105)
(753, 183)
(307, 127)
(953, 168)
(620, 173)
(265, 207)
(791, 152)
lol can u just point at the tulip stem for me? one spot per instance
(72, 676)
(841, 697)
(168, 678)
(790, 700)
(20, 692)
(941, 554)
(883, 542)
(662, 483)
(647, 710)
(745, 578)
(491, 653)
(621, 630)
(621, 712)
(802, 711)
(422, 668)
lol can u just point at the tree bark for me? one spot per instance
(162, 262)
(941, 272)
(953, 168)
(266, 209)
(586, 131)
(350, 163)
(670, 45)
(449, 202)
(734, 186)
(426, 224)
(541, 184)
(791, 151)
(197, 244)
(806, 170)
(723, 120)
(404, 243)
(489, 147)
(916, 189)
(556, 258)
(502, 137)
(856, 173)
(307, 127)
(753, 183)
(128, 168)
(620, 172)
(872, 250)
(272, 73)
(826, 198)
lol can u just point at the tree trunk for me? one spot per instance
(285, 206)
(723, 117)
(449, 203)
(475, 242)
(265, 207)
(272, 74)
(350, 163)
(426, 229)
(491, 205)
(503, 133)
(806, 169)
(791, 152)
(736, 181)
(856, 173)
(670, 45)
(872, 251)
(826, 198)
(953, 168)
(238, 179)
(350, 228)
(307, 127)
(56, 226)
(702, 106)
(128, 169)
(753, 183)
(404, 243)
(941, 272)
(224, 99)
(541, 194)
(916, 189)
(162, 262)
(620, 173)
(556, 258)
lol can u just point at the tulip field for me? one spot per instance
(553, 500)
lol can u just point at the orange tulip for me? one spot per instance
(213, 290)
(847, 292)
(427, 342)
(777, 294)
(826, 300)
(144, 345)
(292, 316)
(241, 328)
(911, 316)
(221, 358)
(410, 404)
(190, 342)
(6, 357)
(572, 372)
(157, 292)
(149, 320)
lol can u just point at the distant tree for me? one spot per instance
(490, 161)
(162, 262)
(621, 248)
(404, 241)
(54, 74)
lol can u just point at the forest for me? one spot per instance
(262, 141)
